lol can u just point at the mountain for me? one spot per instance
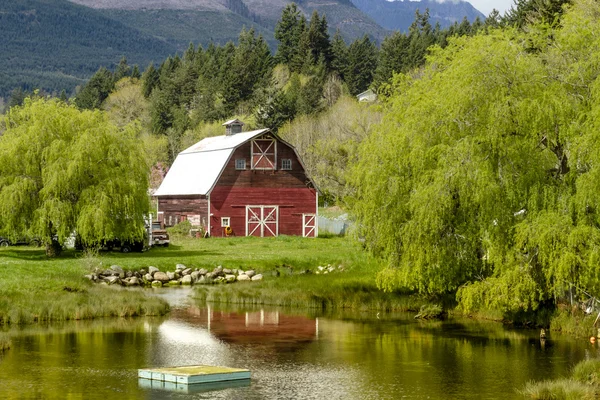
(55, 44)
(58, 44)
(399, 15)
(202, 21)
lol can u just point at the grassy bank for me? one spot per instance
(292, 277)
(584, 384)
(37, 289)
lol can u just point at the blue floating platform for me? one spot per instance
(194, 374)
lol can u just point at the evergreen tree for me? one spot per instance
(287, 33)
(123, 69)
(150, 80)
(135, 72)
(362, 62)
(392, 57)
(96, 90)
(339, 55)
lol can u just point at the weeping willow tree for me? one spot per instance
(64, 170)
(484, 178)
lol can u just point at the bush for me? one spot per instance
(181, 229)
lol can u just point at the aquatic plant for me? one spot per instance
(563, 389)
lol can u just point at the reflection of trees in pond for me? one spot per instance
(67, 360)
(447, 356)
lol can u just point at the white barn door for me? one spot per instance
(262, 221)
(309, 225)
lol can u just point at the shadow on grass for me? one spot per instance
(164, 254)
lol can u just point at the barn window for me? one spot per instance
(286, 164)
(240, 163)
(264, 153)
(225, 221)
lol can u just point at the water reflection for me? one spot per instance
(291, 355)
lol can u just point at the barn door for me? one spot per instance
(262, 221)
(309, 225)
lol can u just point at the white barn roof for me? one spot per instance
(197, 168)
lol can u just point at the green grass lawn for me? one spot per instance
(37, 288)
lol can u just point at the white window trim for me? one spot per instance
(240, 160)
(283, 166)
(225, 221)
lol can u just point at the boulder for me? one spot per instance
(257, 277)
(243, 277)
(129, 274)
(250, 273)
(174, 283)
(90, 277)
(195, 275)
(143, 272)
(202, 271)
(180, 267)
(218, 269)
(133, 281)
(202, 279)
(148, 278)
(116, 268)
(230, 278)
(227, 271)
(171, 275)
(152, 270)
(112, 280)
(161, 276)
(186, 280)
(186, 271)
(156, 284)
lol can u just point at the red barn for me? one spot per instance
(252, 182)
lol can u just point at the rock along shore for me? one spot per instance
(182, 275)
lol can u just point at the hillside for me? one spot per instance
(55, 44)
(203, 20)
(399, 15)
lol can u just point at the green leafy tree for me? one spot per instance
(483, 178)
(65, 170)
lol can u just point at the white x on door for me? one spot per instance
(309, 225)
(262, 221)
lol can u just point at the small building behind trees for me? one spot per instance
(242, 183)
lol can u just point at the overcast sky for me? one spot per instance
(486, 6)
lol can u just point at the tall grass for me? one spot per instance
(563, 389)
(583, 385)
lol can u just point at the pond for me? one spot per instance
(292, 355)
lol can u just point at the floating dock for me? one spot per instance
(194, 374)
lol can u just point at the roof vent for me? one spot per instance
(233, 126)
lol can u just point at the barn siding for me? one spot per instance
(232, 201)
(177, 209)
(294, 178)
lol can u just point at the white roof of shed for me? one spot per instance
(197, 168)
